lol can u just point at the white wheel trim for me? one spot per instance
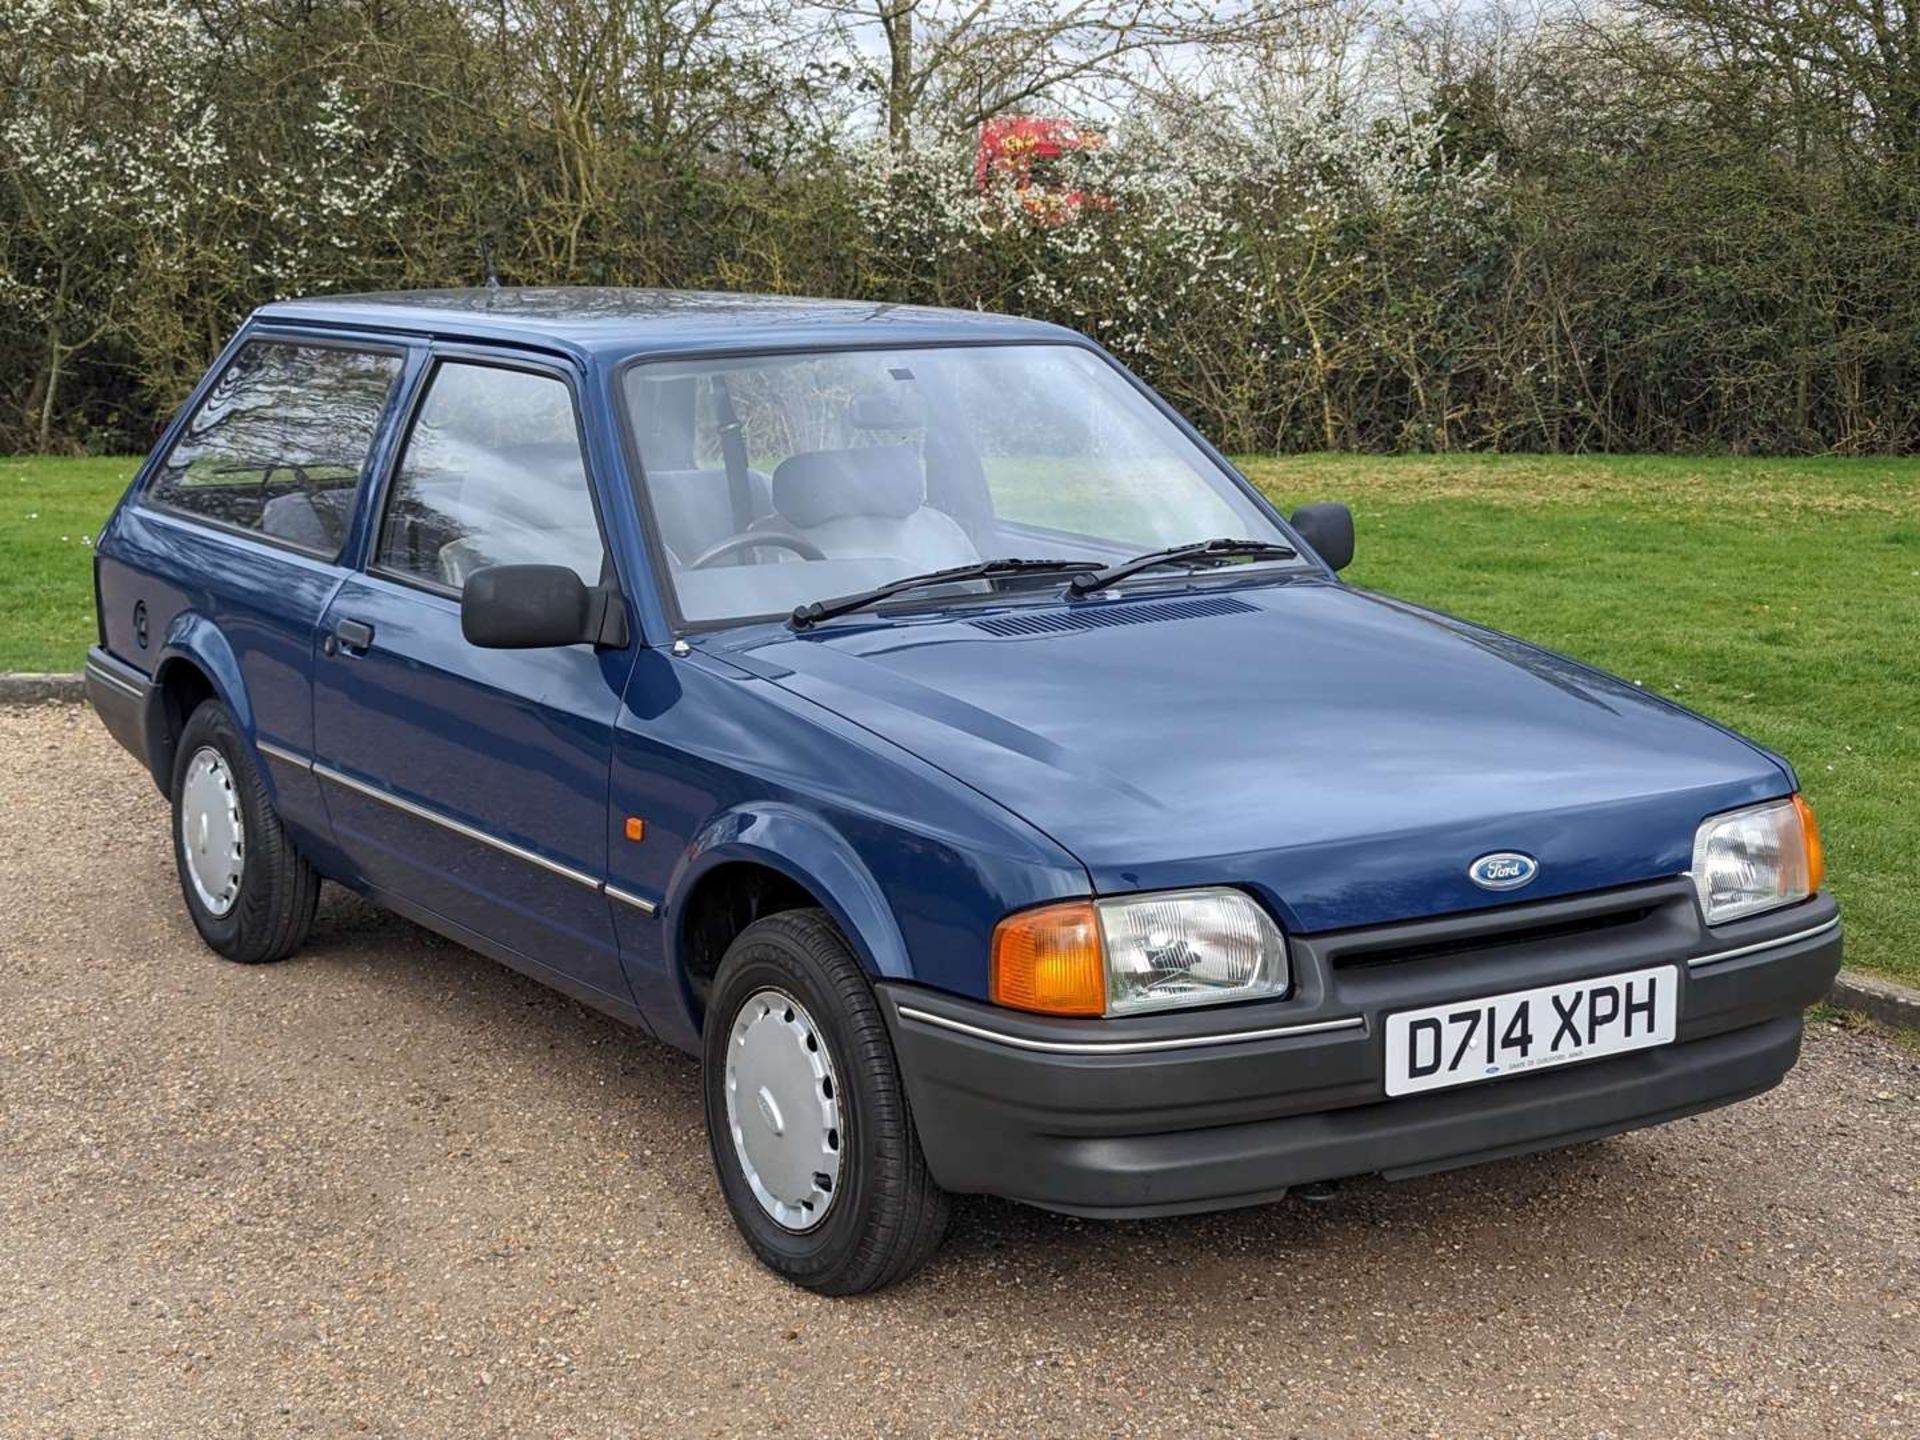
(213, 836)
(783, 1109)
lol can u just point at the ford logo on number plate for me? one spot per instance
(1505, 870)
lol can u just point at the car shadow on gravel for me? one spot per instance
(412, 963)
(1455, 1210)
(1586, 1201)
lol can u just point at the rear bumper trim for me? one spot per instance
(120, 693)
(100, 672)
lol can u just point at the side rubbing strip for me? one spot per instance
(281, 753)
(1130, 1047)
(505, 847)
(645, 907)
(434, 817)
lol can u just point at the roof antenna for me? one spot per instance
(486, 262)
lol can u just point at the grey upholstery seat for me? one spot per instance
(523, 505)
(311, 520)
(867, 503)
(575, 547)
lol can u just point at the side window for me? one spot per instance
(279, 445)
(492, 475)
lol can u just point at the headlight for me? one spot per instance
(1756, 859)
(1138, 952)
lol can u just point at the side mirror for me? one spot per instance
(1328, 529)
(533, 607)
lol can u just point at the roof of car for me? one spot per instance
(611, 320)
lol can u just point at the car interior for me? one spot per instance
(835, 484)
(895, 495)
(472, 505)
(313, 519)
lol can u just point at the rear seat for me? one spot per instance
(313, 521)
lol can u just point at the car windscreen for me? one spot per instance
(775, 480)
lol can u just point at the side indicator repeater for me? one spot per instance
(636, 828)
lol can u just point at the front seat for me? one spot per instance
(522, 505)
(866, 503)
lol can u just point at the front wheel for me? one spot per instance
(250, 893)
(811, 1134)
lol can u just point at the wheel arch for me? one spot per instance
(756, 861)
(196, 664)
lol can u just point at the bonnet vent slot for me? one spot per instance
(1127, 612)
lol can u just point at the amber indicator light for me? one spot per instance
(1816, 852)
(1050, 961)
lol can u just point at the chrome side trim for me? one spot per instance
(434, 817)
(280, 752)
(1717, 956)
(107, 677)
(645, 907)
(1130, 1047)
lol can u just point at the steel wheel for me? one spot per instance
(812, 1138)
(213, 833)
(783, 1109)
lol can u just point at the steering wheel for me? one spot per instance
(753, 539)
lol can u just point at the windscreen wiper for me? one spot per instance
(1089, 581)
(818, 610)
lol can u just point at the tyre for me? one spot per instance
(251, 894)
(809, 1124)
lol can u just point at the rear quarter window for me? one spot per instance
(280, 444)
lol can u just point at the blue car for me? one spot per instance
(908, 713)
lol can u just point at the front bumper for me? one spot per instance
(1209, 1109)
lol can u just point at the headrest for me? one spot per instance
(820, 485)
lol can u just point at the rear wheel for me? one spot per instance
(811, 1134)
(250, 893)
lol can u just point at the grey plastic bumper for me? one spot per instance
(1213, 1109)
(118, 694)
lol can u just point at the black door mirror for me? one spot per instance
(1328, 529)
(531, 607)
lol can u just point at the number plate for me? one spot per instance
(1523, 1030)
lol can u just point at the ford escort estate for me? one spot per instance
(911, 715)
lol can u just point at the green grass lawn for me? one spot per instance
(50, 510)
(1781, 597)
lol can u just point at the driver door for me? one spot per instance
(472, 783)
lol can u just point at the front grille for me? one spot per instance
(1353, 959)
(1662, 913)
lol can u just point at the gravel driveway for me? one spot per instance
(388, 1187)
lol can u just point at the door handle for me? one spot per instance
(354, 635)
